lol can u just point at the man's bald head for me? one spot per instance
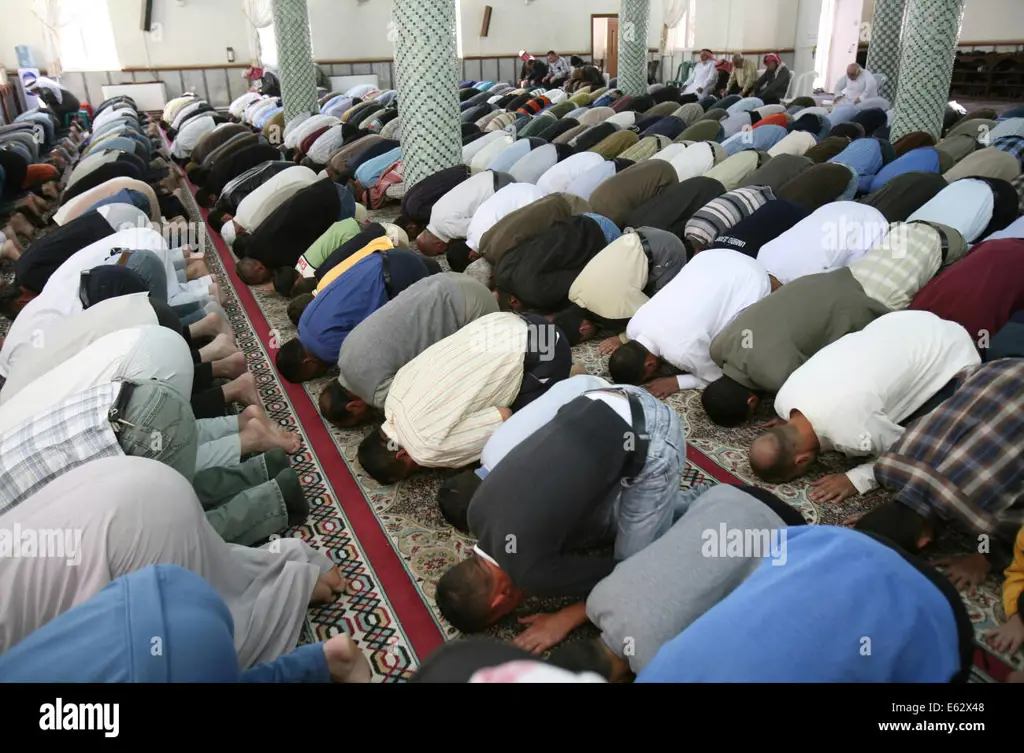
(852, 71)
(773, 455)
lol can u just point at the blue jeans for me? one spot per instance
(640, 512)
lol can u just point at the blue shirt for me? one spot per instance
(370, 171)
(342, 305)
(922, 160)
(864, 156)
(110, 638)
(843, 608)
(125, 196)
(504, 162)
(611, 230)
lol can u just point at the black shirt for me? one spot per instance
(42, 258)
(290, 229)
(543, 491)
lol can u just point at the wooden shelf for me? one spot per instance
(990, 75)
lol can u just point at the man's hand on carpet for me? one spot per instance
(546, 629)
(609, 346)
(662, 388)
(345, 661)
(1008, 637)
(773, 423)
(834, 487)
(966, 572)
(852, 520)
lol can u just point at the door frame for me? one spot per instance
(593, 17)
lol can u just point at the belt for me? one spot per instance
(641, 439)
(943, 238)
(82, 289)
(385, 267)
(646, 246)
(116, 414)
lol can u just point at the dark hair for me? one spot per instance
(289, 360)
(239, 246)
(297, 306)
(454, 497)
(576, 61)
(569, 321)
(333, 404)
(458, 256)
(725, 402)
(463, 596)
(896, 522)
(9, 296)
(504, 300)
(247, 271)
(552, 52)
(217, 218)
(378, 460)
(284, 280)
(433, 266)
(305, 286)
(777, 471)
(627, 364)
(583, 656)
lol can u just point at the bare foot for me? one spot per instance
(196, 268)
(252, 413)
(328, 586)
(260, 437)
(242, 390)
(578, 369)
(216, 293)
(20, 225)
(11, 249)
(345, 661)
(211, 325)
(221, 347)
(231, 367)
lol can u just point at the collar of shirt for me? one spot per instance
(483, 555)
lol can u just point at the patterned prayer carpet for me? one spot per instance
(393, 543)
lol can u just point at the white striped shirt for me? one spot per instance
(443, 405)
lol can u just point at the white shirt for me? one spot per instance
(76, 334)
(863, 87)
(797, 142)
(325, 145)
(703, 76)
(622, 119)
(587, 183)
(531, 166)
(670, 152)
(237, 107)
(616, 401)
(185, 111)
(141, 353)
(291, 125)
(60, 298)
(856, 391)
(257, 206)
(696, 160)
(190, 135)
(834, 236)
(473, 148)
(512, 197)
(443, 405)
(489, 153)
(451, 214)
(294, 139)
(680, 321)
(561, 176)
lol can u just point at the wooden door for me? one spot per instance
(611, 66)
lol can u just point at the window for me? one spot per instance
(268, 47)
(84, 35)
(682, 36)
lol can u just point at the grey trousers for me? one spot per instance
(242, 502)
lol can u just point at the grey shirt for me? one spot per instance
(421, 315)
(654, 595)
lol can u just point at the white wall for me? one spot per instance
(993, 20)
(562, 25)
(344, 30)
(600, 36)
(731, 25)
(19, 26)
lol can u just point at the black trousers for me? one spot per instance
(548, 360)
(207, 398)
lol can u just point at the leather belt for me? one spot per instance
(641, 439)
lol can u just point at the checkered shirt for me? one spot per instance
(1012, 144)
(965, 460)
(901, 264)
(56, 441)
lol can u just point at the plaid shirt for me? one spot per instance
(965, 459)
(1018, 183)
(52, 443)
(902, 263)
(1012, 144)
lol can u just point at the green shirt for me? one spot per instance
(336, 235)
(771, 339)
